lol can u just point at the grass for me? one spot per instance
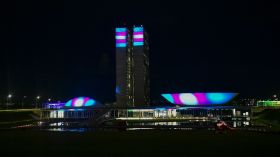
(14, 118)
(138, 143)
(135, 143)
(268, 117)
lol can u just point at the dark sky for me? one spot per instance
(63, 49)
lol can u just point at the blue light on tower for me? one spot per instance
(120, 29)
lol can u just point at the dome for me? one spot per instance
(199, 98)
(80, 102)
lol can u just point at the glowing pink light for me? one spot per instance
(86, 99)
(201, 97)
(74, 101)
(120, 33)
(138, 33)
(138, 40)
(121, 41)
(176, 98)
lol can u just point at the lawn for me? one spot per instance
(138, 143)
(267, 117)
(14, 118)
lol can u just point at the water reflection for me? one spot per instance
(68, 129)
(182, 125)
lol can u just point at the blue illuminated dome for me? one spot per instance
(80, 102)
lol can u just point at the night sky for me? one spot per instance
(65, 49)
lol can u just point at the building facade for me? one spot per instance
(141, 67)
(132, 67)
(268, 103)
(124, 79)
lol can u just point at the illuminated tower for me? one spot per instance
(141, 67)
(132, 67)
(124, 76)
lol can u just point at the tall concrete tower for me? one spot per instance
(132, 67)
(141, 67)
(124, 84)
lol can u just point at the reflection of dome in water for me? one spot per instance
(80, 102)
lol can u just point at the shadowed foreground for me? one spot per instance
(138, 143)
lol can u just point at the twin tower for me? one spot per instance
(132, 67)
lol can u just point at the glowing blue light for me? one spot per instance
(120, 29)
(118, 91)
(138, 29)
(90, 102)
(188, 99)
(219, 98)
(168, 97)
(138, 43)
(76, 109)
(120, 44)
(160, 109)
(69, 103)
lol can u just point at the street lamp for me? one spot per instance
(8, 98)
(49, 99)
(37, 101)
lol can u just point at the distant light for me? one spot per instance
(38, 97)
(49, 99)
(10, 96)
